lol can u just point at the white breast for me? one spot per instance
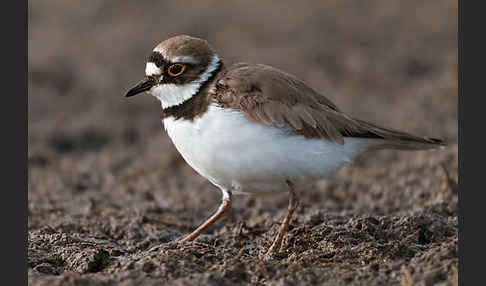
(241, 156)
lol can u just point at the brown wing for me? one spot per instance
(270, 96)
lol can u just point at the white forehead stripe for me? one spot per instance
(186, 59)
(181, 59)
(151, 69)
(161, 51)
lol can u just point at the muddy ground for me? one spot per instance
(109, 195)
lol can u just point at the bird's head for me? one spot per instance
(176, 69)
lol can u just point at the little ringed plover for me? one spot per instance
(251, 128)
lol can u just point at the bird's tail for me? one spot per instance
(393, 139)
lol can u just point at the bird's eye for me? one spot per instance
(176, 69)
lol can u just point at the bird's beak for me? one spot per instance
(142, 86)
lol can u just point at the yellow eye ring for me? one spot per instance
(176, 69)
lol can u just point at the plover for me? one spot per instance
(251, 128)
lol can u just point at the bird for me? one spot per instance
(252, 128)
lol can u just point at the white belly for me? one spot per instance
(242, 156)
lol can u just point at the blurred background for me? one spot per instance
(94, 153)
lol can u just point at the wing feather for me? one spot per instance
(272, 97)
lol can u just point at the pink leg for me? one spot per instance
(223, 210)
(293, 203)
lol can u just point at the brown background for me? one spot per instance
(109, 194)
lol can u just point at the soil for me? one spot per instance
(109, 195)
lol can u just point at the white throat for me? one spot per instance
(172, 94)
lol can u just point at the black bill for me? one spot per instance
(142, 86)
